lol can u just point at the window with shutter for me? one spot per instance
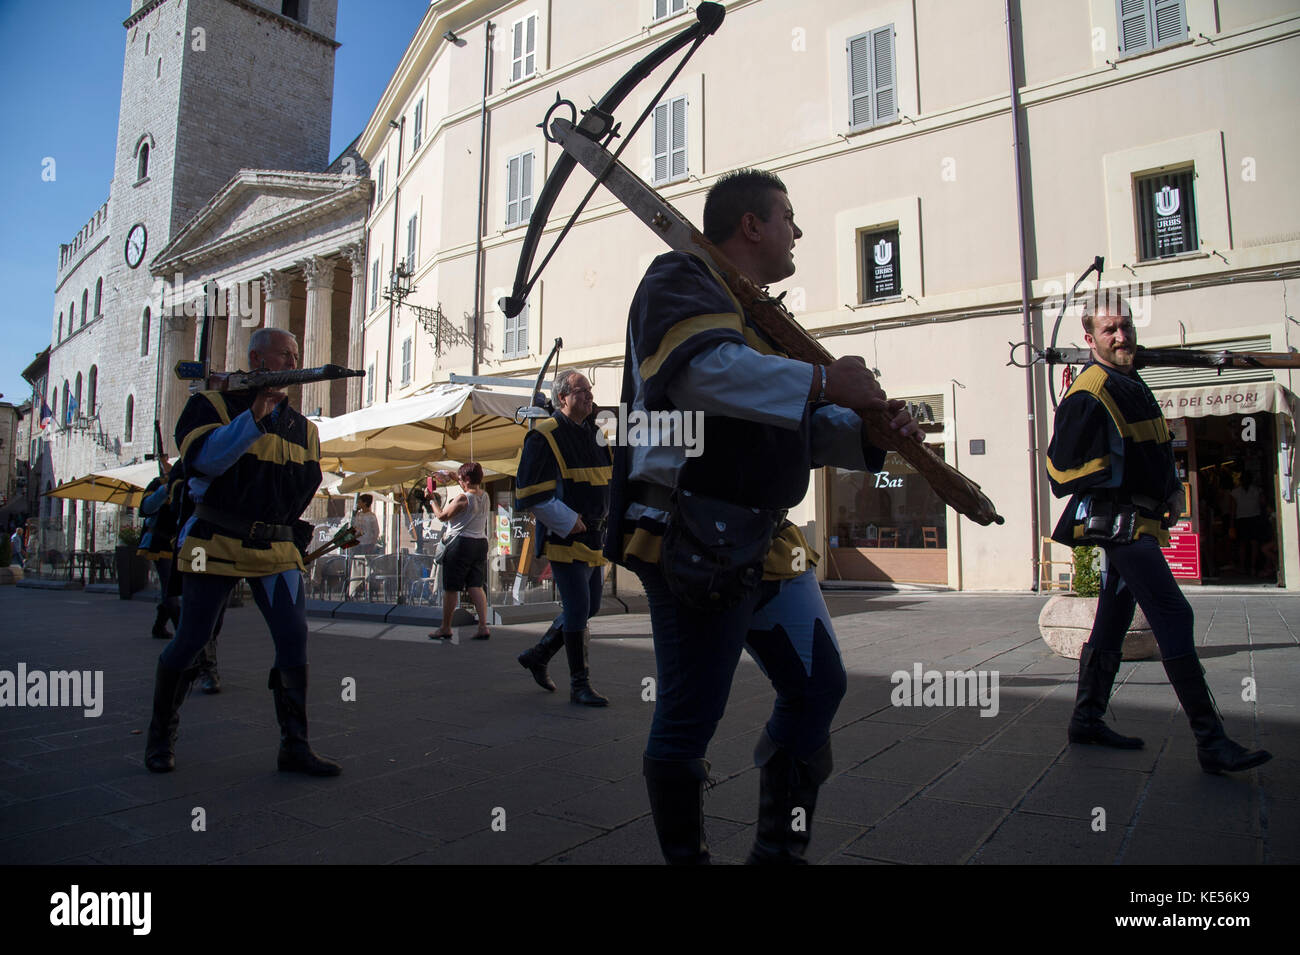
(873, 97)
(669, 147)
(374, 285)
(519, 188)
(370, 384)
(523, 48)
(410, 243)
(516, 335)
(406, 361)
(418, 134)
(1146, 25)
(379, 183)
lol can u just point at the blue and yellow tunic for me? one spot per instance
(565, 461)
(761, 436)
(158, 536)
(252, 471)
(1110, 439)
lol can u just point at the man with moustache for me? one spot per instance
(1111, 451)
(768, 420)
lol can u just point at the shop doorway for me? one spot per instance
(1230, 465)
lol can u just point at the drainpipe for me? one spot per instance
(482, 174)
(1024, 302)
(397, 197)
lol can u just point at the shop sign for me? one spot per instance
(1184, 552)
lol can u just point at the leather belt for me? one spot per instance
(651, 495)
(244, 529)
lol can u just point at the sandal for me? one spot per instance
(484, 635)
(435, 635)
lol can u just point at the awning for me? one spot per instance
(113, 486)
(1256, 397)
(450, 423)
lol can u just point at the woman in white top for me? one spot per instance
(464, 563)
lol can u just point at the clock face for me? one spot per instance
(136, 240)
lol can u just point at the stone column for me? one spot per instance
(356, 256)
(278, 287)
(177, 346)
(316, 329)
(244, 313)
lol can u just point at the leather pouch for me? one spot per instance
(713, 550)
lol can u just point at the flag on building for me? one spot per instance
(72, 412)
(47, 415)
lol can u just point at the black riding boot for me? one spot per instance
(160, 630)
(580, 691)
(289, 686)
(1216, 752)
(1097, 669)
(169, 689)
(676, 789)
(787, 797)
(535, 659)
(209, 678)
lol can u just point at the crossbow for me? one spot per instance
(1143, 357)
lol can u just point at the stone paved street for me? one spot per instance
(444, 738)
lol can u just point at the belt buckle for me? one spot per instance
(255, 534)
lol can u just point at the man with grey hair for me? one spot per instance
(253, 464)
(563, 478)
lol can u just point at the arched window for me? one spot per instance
(91, 389)
(99, 296)
(130, 418)
(144, 332)
(142, 169)
(63, 410)
(72, 316)
(85, 304)
(60, 326)
(76, 398)
(54, 403)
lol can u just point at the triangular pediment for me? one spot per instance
(254, 202)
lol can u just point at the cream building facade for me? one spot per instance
(1157, 133)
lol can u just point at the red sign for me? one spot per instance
(1183, 552)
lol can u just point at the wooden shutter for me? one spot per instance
(1170, 22)
(1134, 27)
(882, 75)
(517, 51)
(859, 81)
(513, 170)
(530, 46)
(677, 111)
(525, 187)
(410, 243)
(661, 145)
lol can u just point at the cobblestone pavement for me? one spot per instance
(442, 741)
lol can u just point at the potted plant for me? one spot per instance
(1066, 619)
(132, 569)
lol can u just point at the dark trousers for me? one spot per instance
(579, 586)
(785, 627)
(166, 598)
(1137, 574)
(280, 597)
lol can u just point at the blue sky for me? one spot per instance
(61, 73)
